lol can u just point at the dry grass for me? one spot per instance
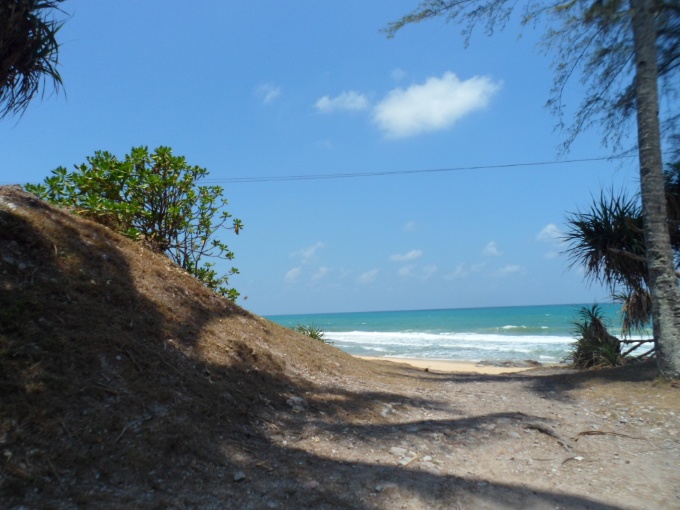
(115, 363)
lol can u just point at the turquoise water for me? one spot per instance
(541, 333)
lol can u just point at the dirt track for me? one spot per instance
(537, 439)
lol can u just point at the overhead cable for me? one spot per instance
(310, 177)
(348, 175)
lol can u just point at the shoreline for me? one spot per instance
(457, 366)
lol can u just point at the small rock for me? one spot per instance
(239, 476)
(513, 434)
(296, 402)
(310, 485)
(430, 468)
(387, 409)
(397, 452)
(385, 486)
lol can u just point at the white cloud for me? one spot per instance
(308, 254)
(510, 269)
(405, 270)
(403, 257)
(432, 106)
(347, 101)
(398, 74)
(268, 92)
(345, 273)
(491, 249)
(292, 275)
(369, 276)
(429, 271)
(476, 268)
(550, 234)
(459, 272)
(410, 226)
(412, 270)
(320, 273)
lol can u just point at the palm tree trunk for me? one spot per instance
(663, 282)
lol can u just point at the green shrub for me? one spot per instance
(312, 332)
(594, 347)
(154, 197)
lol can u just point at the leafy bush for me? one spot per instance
(154, 197)
(312, 332)
(594, 347)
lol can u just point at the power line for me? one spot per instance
(311, 177)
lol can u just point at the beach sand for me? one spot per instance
(453, 366)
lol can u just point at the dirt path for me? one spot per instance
(398, 437)
(426, 440)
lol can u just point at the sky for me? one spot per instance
(422, 198)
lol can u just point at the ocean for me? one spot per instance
(540, 333)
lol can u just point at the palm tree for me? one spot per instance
(660, 257)
(28, 51)
(608, 241)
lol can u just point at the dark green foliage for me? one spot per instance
(636, 310)
(594, 347)
(312, 332)
(28, 51)
(608, 241)
(153, 197)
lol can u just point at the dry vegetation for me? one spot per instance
(126, 383)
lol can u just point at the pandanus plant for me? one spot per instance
(29, 51)
(608, 241)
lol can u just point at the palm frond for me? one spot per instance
(608, 241)
(636, 309)
(29, 52)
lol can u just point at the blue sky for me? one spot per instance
(299, 88)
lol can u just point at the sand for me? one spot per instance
(450, 365)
